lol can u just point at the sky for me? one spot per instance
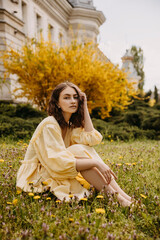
(132, 22)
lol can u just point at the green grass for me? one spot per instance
(137, 165)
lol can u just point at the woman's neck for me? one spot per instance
(67, 116)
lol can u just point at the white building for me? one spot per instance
(28, 18)
(128, 67)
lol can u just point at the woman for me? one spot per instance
(60, 155)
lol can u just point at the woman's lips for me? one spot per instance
(73, 106)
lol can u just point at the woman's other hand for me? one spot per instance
(106, 172)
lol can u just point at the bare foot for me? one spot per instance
(124, 202)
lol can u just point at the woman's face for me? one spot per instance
(68, 100)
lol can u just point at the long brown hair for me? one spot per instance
(77, 118)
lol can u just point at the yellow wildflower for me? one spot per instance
(44, 183)
(15, 201)
(9, 203)
(48, 198)
(83, 199)
(31, 194)
(141, 160)
(58, 201)
(53, 215)
(36, 197)
(102, 142)
(71, 219)
(119, 164)
(99, 196)
(1, 160)
(109, 136)
(128, 163)
(10, 166)
(143, 196)
(30, 183)
(19, 191)
(100, 210)
(120, 157)
(70, 195)
(134, 163)
(112, 140)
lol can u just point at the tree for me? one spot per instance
(138, 62)
(40, 66)
(156, 94)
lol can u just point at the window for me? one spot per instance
(38, 25)
(60, 39)
(24, 16)
(50, 32)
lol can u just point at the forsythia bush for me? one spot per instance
(40, 66)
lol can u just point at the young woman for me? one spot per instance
(60, 152)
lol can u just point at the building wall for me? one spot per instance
(20, 19)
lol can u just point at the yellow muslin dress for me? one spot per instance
(51, 159)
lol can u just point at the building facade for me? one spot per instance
(21, 19)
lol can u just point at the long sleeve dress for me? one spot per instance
(50, 158)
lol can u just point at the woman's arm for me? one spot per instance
(88, 125)
(86, 164)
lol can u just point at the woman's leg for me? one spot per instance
(116, 187)
(94, 177)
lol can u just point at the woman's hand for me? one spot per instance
(83, 96)
(106, 172)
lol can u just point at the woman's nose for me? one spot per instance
(73, 99)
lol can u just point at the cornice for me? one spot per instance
(87, 14)
(86, 27)
(11, 16)
(58, 10)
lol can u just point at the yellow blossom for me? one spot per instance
(58, 201)
(15, 201)
(119, 164)
(83, 199)
(143, 196)
(31, 194)
(30, 183)
(53, 216)
(48, 198)
(120, 157)
(141, 160)
(134, 163)
(112, 140)
(100, 210)
(1, 160)
(44, 183)
(99, 196)
(70, 195)
(109, 136)
(10, 166)
(128, 164)
(36, 197)
(9, 203)
(71, 219)
(19, 191)
(102, 142)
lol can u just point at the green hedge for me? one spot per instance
(19, 121)
(139, 121)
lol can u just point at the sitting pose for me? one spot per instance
(60, 152)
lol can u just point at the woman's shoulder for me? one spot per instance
(50, 120)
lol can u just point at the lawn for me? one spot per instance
(42, 216)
